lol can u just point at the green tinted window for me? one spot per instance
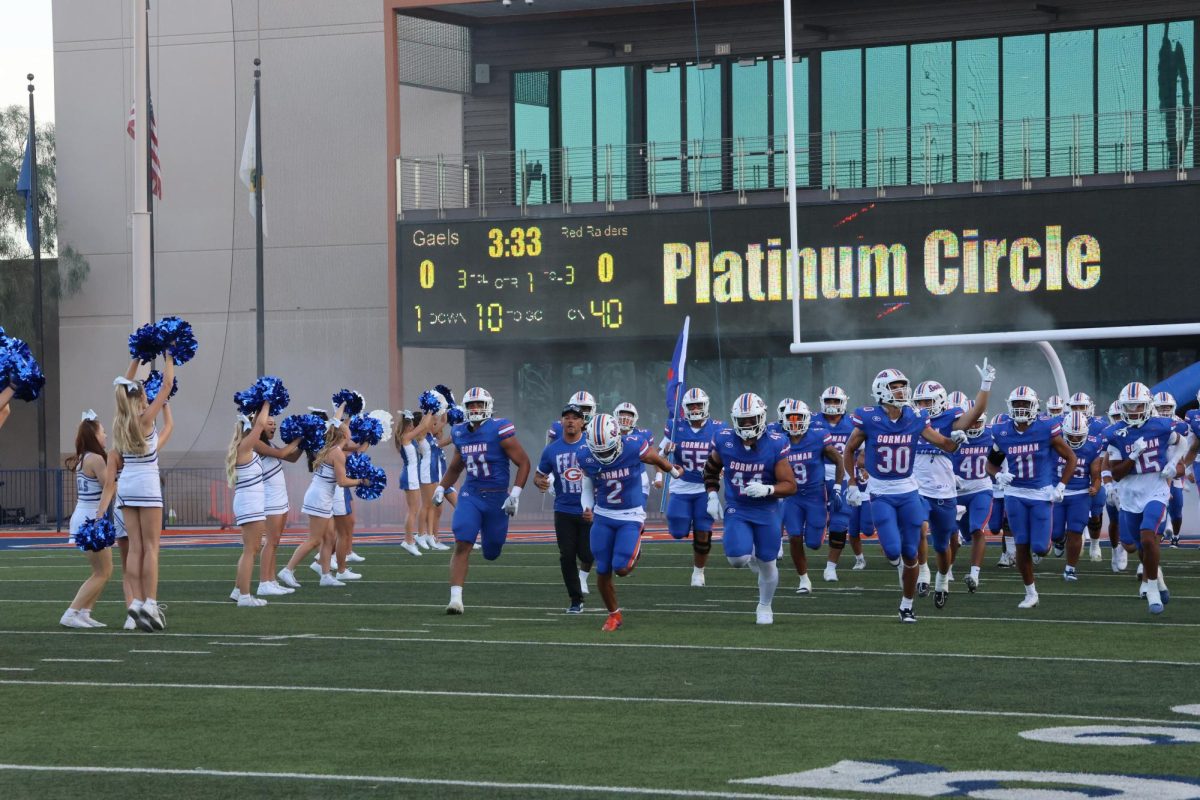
(704, 132)
(977, 100)
(1072, 76)
(1169, 68)
(664, 129)
(841, 115)
(779, 119)
(531, 136)
(1024, 110)
(1120, 78)
(576, 125)
(931, 100)
(612, 130)
(749, 82)
(887, 115)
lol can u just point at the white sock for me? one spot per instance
(923, 575)
(768, 581)
(1031, 590)
(136, 605)
(1153, 596)
(859, 559)
(456, 593)
(697, 570)
(939, 582)
(1010, 546)
(906, 603)
(975, 573)
(1162, 584)
(583, 576)
(831, 565)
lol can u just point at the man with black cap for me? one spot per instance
(558, 469)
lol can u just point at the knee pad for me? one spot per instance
(738, 562)
(895, 562)
(1093, 525)
(837, 539)
(702, 544)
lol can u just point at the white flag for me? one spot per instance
(248, 171)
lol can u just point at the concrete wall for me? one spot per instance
(324, 134)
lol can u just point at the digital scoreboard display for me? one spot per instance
(1030, 261)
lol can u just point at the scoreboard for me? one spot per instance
(980, 263)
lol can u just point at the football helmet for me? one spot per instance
(586, 403)
(958, 400)
(796, 417)
(695, 405)
(930, 396)
(834, 401)
(1164, 404)
(1023, 404)
(977, 428)
(476, 396)
(748, 417)
(627, 417)
(604, 438)
(1114, 412)
(1136, 404)
(1082, 401)
(1055, 405)
(1075, 428)
(782, 405)
(885, 394)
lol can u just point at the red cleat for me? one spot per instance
(613, 622)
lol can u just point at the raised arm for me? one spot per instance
(160, 400)
(168, 427)
(944, 443)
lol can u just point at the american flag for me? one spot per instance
(155, 168)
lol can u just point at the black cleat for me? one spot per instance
(907, 615)
(922, 590)
(940, 598)
(972, 583)
(1059, 548)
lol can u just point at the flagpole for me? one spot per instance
(150, 169)
(39, 337)
(140, 216)
(260, 320)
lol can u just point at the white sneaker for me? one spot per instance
(763, 615)
(288, 578)
(315, 566)
(805, 586)
(410, 548)
(347, 575)
(422, 543)
(1096, 553)
(860, 562)
(437, 544)
(830, 574)
(1004, 561)
(328, 580)
(71, 619)
(333, 563)
(129, 624)
(454, 607)
(250, 601)
(1122, 558)
(1030, 601)
(697, 577)
(272, 590)
(354, 558)
(235, 594)
(86, 615)
(152, 611)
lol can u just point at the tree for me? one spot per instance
(72, 268)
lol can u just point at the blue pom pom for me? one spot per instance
(95, 535)
(359, 466)
(353, 400)
(153, 384)
(178, 336)
(146, 343)
(429, 402)
(266, 389)
(366, 429)
(20, 370)
(445, 392)
(455, 416)
(308, 428)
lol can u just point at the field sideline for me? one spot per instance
(372, 691)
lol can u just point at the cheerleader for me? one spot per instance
(431, 467)
(412, 432)
(89, 466)
(6, 396)
(328, 476)
(277, 506)
(243, 467)
(343, 523)
(139, 489)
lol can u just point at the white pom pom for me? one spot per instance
(385, 419)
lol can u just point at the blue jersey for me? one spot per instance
(776, 427)
(554, 432)
(483, 457)
(1097, 426)
(807, 459)
(889, 445)
(1029, 455)
(618, 486)
(1156, 432)
(743, 465)
(970, 461)
(1085, 454)
(1192, 420)
(839, 434)
(943, 423)
(692, 447)
(561, 460)
(641, 435)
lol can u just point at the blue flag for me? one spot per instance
(675, 377)
(1183, 384)
(26, 190)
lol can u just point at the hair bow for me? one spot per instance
(89, 416)
(333, 423)
(408, 415)
(130, 386)
(246, 423)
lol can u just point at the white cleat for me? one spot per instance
(86, 616)
(315, 566)
(129, 625)
(410, 548)
(830, 574)
(1005, 560)
(354, 558)
(235, 594)
(72, 619)
(697, 577)
(805, 586)
(250, 601)
(454, 607)
(437, 544)
(1030, 601)
(288, 578)
(763, 615)
(1122, 559)
(272, 590)
(477, 546)
(860, 562)
(347, 575)
(1096, 553)
(422, 542)
(328, 580)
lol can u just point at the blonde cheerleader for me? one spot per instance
(412, 432)
(277, 506)
(243, 469)
(90, 469)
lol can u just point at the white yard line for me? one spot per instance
(176, 652)
(83, 660)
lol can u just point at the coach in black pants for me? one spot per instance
(558, 470)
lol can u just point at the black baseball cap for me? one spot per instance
(572, 408)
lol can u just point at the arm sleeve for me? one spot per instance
(587, 497)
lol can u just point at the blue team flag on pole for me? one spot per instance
(675, 376)
(25, 189)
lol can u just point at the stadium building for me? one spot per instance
(531, 196)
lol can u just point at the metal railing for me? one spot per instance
(974, 152)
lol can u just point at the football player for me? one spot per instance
(974, 494)
(889, 432)
(559, 467)
(1083, 484)
(484, 446)
(1164, 406)
(626, 415)
(777, 426)
(1025, 443)
(833, 418)
(806, 512)
(687, 446)
(613, 502)
(753, 467)
(1120, 558)
(1055, 405)
(1082, 402)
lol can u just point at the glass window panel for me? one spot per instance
(664, 129)
(704, 127)
(1120, 77)
(531, 133)
(779, 119)
(793, 377)
(841, 116)
(1024, 111)
(575, 110)
(612, 129)
(1072, 123)
(977, 100)
(748, 82)
(1175, 360)
(1169, 69)
(1118, 366)
(887, 115)
(931, 100)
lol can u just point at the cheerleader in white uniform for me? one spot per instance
(412, 433)
(431, 468)
(139, 489)
(243, 468)
(277, 506)
(328, 476)
(89, 467)
(343, 522)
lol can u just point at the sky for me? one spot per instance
(27, 45)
